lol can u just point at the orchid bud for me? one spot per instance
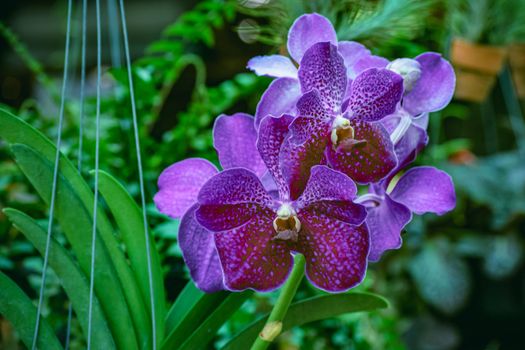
(409, 69)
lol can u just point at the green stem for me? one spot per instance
(274, 324)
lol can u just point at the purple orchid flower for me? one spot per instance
(307, 30)
(347, 133)
(420, 190)
(179, 185)
(256, 234)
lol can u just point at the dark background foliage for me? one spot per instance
(458, 282)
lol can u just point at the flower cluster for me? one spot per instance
(336, 117)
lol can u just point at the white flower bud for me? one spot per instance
(409, 69)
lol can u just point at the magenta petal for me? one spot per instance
(368, 62)
(308, 30)
(323, 69)
(280, 98)
(368, 158)
(352, 52)
(385, 223)
(274, 66)
(375, 94)
(234, 138)
(272, 133)
(335, 252)
(251, 258)
(230, 199)
(180, 183)
(199, 253)
(435, 88)
(425, 189)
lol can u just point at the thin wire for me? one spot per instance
(114, 35)
(141, 177)
(55, 179)
(69, 317)
(95, 201)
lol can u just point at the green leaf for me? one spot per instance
(130, 222)
(73, 280)
(16, 306)
(203, 335)
(189, 311)
(309, 310)
(76, 223)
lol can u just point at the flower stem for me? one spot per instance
(274, 324)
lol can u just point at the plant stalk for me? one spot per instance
(274, 324)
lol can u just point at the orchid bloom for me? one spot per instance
(256, 234)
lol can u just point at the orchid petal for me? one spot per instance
(435, 88)
(375, 94)
(323, 69)
(308, 30)
(230, 199)
(179, 185)
(425, 189)
(368, 157)
(335, 252)
(352, 52)
(234, 138)
(251, 258)
(280, 98)
(199, 253)
(274, 66)
(367, 62)
(385, 223)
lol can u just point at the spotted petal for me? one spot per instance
(251, 258)
(435, 88)
(272, 133)
(230, 199)
(335, 252)
(425, 189)
(331, 193)
(280, 98)
(323, 69)
(308, 30)
(234, 138)
(375, 94)
(368, 157)
(274, 66)
(385, 222)
(180, 183)
(199, 253)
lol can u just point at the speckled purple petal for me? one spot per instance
(435, 88)
(230, 199)
(272, 133)
(234, 138)
(274, 66)
(385, 223)
(280, 98)
(375, 94)
(251, 258)
(368, 161)
(323, 69)
(179, 185)
(199, 253)
(352, 52)
(425, 189)
(367, 62)
(335, 252)
(308, 30)
(310, 105)
(331, 193)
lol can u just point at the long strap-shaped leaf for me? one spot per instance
(130, 222)
(76, 222)
(16, 306)
(309, 310)
(72, 278)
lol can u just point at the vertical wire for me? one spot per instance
(141, 177)
(68, 334)
(114, 35)
(95, 201)
(55, 179)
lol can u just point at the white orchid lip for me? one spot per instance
(341, 130)
(286, 224)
